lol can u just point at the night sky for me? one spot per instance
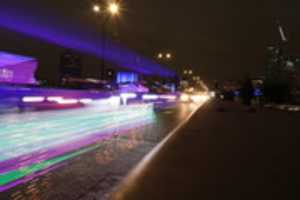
(220, 39)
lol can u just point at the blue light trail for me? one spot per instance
(34, 141)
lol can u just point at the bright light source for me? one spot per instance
(33, 99)
(184, 98)
(61, 100)
(160, 55)
(213, 94)
(96, 8)
(128, 95)
(199, 98)
(205, 97)
(168, 97)
(54, 99)
(114, 8)
(150, 97)
(196, 98)
(115, 100)
(168, 56)
(191, 89)
(108, 103)
(68, 101)
(86, 101)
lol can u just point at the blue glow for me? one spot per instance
(17, 69)
(237, 93)
(127, 77)
(18, 16)
(258, 92)
(7, 59)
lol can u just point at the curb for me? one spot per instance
(135, 173)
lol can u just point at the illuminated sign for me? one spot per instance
(17, 69)
(6, 74)
(127, 77)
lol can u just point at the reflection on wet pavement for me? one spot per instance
(87, 165)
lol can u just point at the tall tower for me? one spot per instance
(277, 76)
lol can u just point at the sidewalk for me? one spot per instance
(232, 154)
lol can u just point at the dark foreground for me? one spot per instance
(225, 153)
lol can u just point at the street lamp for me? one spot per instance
(112, 9)
(96, 8)
(160, 56)
(168, 55)
(187, 71)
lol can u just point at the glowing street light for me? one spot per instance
(113, 8)
(160, 56)
(188, 72)
(168, 55)
(96, 8)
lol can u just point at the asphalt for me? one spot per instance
(223, 152)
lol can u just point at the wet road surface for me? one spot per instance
(65, 157)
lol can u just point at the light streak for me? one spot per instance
(33, 99)
(33, 142)
(184, 97)
(54, 99)
(196, 98)
(126, 96)
(150, 97)
(86, 101)
(168, 97)
(7, 179)
(68, 101)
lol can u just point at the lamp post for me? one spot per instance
(111, 9)
(167, 58)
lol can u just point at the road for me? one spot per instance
(80, 153)
(224, 152)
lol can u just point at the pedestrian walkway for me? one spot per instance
(227, 153)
